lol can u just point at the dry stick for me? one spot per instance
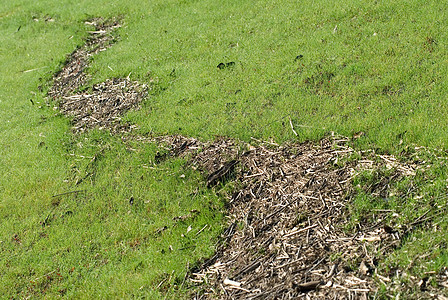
(315, 265)
(201, 229)
(300, 230)
(77, 96)
(332, 270)
(249, 268)
(277, 211)
(292, 127)
(239, 288)
(419, 219)
(161, 282)
(290, 263)
(253, 175)
(49, 273)
(426, 219)
(97, 32)
(31, 70)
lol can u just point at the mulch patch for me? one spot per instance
(287, 234)
(103, 106)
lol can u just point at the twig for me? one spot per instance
(292, 127)
(253, 175)
(161, 282)
(239, 288)
(315, 265)
(299, 231)
(201, 229)
(49, 273)
(31, 70)
(97, 32)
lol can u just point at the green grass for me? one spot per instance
(376, 67)
(347, 81)
(96, 243)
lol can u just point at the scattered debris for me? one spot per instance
(287, 235)
(291, 211)
(103, 106)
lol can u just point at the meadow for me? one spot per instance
(93, 215)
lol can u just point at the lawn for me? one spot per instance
(93, 215)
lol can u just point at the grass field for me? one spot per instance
(376, 67)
